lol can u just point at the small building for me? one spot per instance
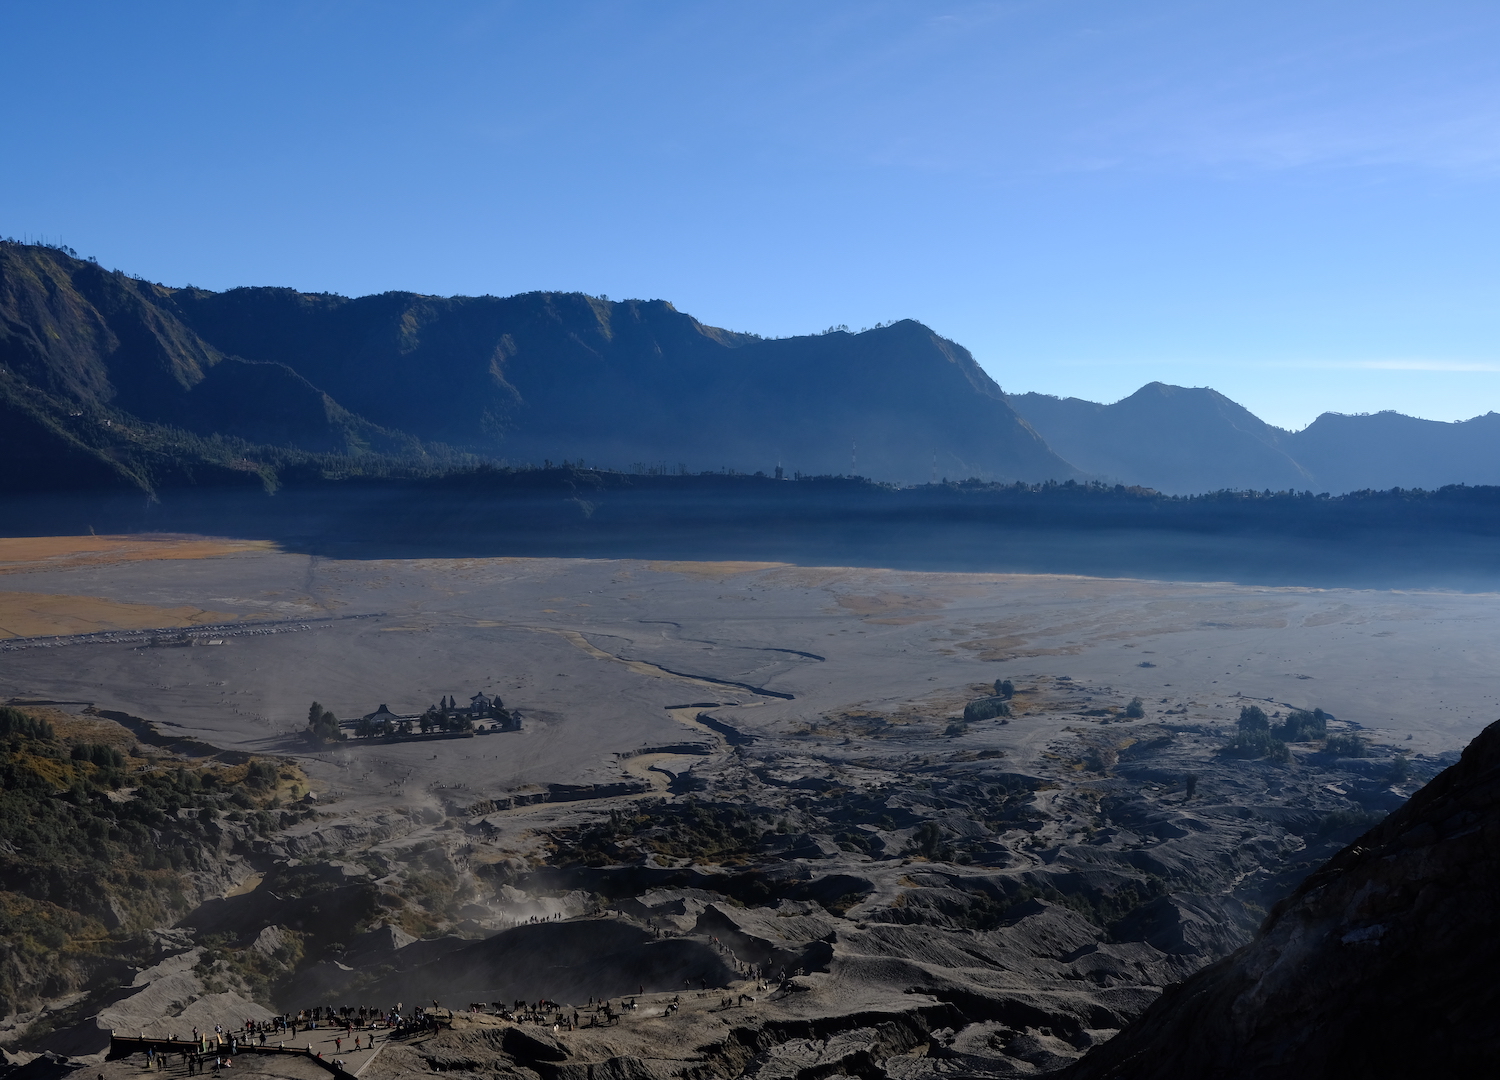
(380, 714)
(481, 704)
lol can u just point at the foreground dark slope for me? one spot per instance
(1382, 963)
(105, 377)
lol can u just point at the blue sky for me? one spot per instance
(1294, 203)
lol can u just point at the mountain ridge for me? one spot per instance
(1139, 439)
(529, 378)
(108, 381)
(1189, 440)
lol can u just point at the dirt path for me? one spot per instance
(653, 768)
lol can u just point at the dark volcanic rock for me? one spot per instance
(532, 1046)
(566, 961)
(1382, 963)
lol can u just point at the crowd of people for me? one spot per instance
(357, 1025)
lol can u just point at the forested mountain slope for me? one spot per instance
(111, 379)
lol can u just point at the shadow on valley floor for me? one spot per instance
(1445, 539)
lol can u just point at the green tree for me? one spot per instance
(1302, 726)
(1346, 744)
(322, 724)
(1253, 718)
(986, 708)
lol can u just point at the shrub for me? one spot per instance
(1135, 710)
(1100, 758)
(1348, 823)
(927, 841)
(1253, 718)
(1346, 744)
(106, 757)
(1004, 688)
(261, 774)
(986, 708)
(1257, 743)
(1302, 726)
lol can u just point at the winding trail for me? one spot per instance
(652, 767)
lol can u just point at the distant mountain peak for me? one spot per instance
(1194, 439)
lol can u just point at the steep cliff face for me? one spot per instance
(1382, 963)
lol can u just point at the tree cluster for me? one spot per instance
(81, 871)
(323, 725)
(1347, 744)
(446, 716)
(1257, 737)
(1253, 739)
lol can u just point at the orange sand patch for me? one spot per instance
(25, 614)
(712, 570)
(20, 554)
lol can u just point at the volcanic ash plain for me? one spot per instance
(749, 819)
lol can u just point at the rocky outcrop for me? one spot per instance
(1381, 963)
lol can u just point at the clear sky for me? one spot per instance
(1295, 203)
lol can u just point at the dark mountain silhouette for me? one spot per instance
(1185, 440)
(101, 385)
(1172, 438)
(103, 375)
(562, 375)
(1381, 964)
(1387, 449)
(107, 381)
